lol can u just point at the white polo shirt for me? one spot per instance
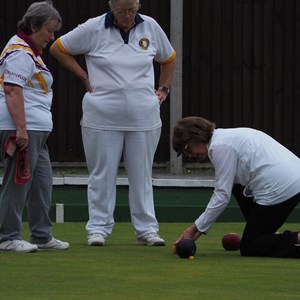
(121, 73)
(22, 65)
(268, 170)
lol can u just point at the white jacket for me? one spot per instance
(268, 170)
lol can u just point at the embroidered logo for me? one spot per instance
(144, 43)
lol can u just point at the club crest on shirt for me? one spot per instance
(144, 43)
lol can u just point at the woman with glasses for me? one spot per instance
(263, 176)
(121, 111)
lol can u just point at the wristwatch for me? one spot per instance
(164, 89)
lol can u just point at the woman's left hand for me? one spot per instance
(161, 96)
(190, 233)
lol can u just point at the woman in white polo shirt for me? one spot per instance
(261, 173)
(26, 122)
(121, 111)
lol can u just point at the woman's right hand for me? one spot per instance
(87, 84)
(22, 139)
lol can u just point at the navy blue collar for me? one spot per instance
(109, 20)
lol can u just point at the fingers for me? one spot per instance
(190, 233)
(161, 99)
(161, 96)
(177, 241)
(87, 85)
(22, 139)
(22, 144)
(185, 235)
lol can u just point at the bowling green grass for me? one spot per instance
(122, 270)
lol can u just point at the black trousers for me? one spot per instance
(259, 236)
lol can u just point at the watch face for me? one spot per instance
(164, 89)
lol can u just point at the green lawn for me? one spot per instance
(122, 270)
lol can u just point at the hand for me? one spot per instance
(87, 84)
(161, 96)
(190, 233)
(22, 139)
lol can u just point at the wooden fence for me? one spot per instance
(241, 67)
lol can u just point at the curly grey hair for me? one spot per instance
(37, 14)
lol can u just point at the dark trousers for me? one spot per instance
(259, 236)
(35, 194)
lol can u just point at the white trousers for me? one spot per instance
(103, 151)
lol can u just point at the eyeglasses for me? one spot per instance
(185, 151)
(123, 12)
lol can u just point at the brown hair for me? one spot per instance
(193, 130)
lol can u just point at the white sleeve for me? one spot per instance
(79, 40)
(18, 68)
(164, 47)
(224, 160)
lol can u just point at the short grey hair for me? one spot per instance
(37, 14)
(113, 2)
